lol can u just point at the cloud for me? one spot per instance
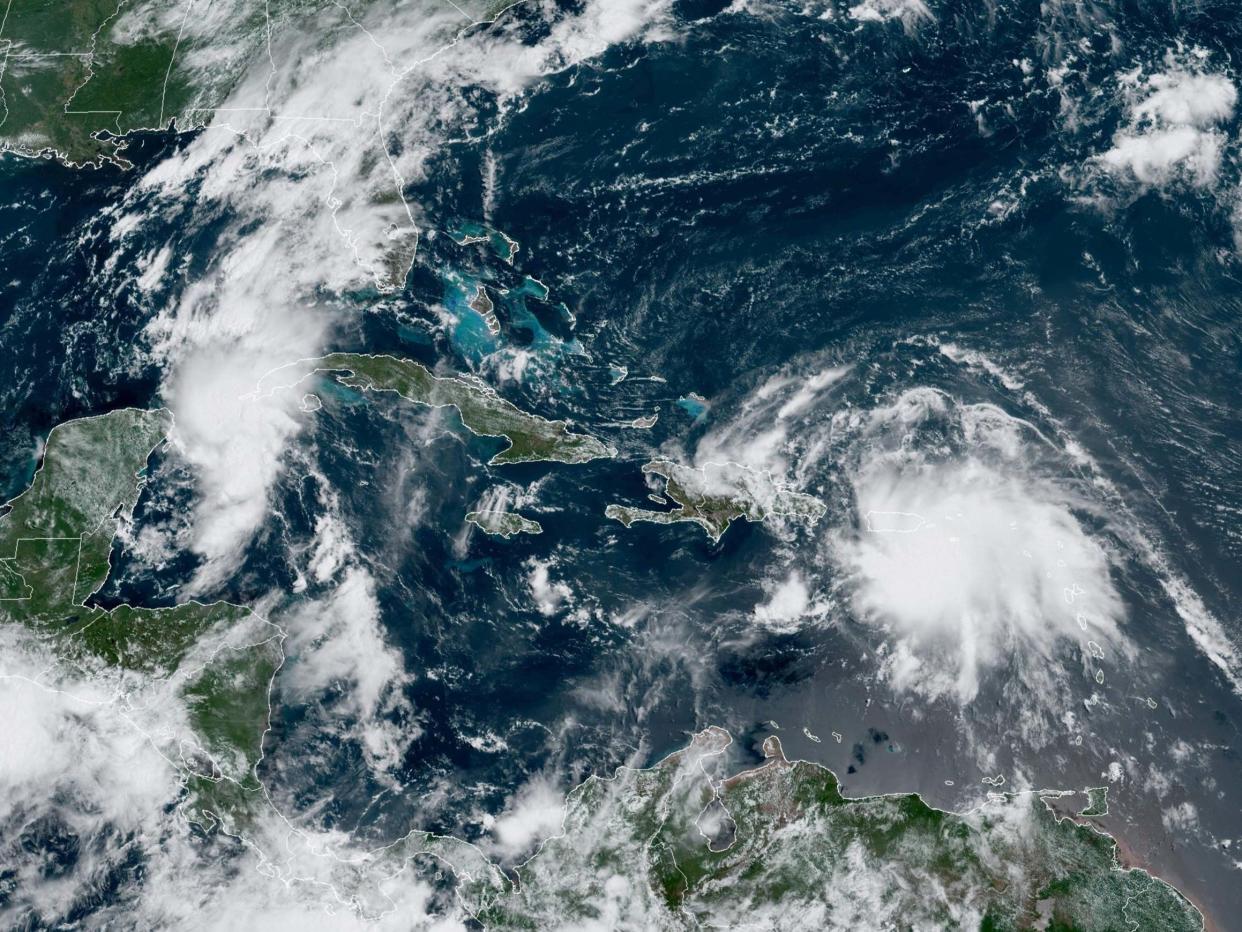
(1158, 157)
(337, 643)
(550, 597)
(234, 445)
(1172, 132)
(1181, 819)
(1204, 628)
(809, 389)
(298, 185)
(972, 562)
(758, 435)
(64, 739)
(298, 889)
(79, 776)
(977, 546)
(1180, 97)
(90, 792)
(787, 603)
(333, 546)
(910, 13)
(532, 814)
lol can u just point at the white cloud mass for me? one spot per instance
(302, 174)
(971, 562)
(1173, 129)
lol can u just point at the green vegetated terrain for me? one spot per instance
(531, 438)
(675, 846)
(678, 847)
(716, 495)
(77, 74)
(218, 659)
(503, 523)
(471, 232)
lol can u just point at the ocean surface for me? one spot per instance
(937, 266)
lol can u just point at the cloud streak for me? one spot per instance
(301, 179)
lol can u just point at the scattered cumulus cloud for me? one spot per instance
(1173, 131)
(787, 603)
(94, 770)
(910, 13)
(1180, 819)
(301, 178)
(550, 595)
(338, 642)
(534, 813)
(759, 435)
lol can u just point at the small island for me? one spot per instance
(482, 305)
(469, 233)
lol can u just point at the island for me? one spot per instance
(503, 523)
(482, 305)
(530, 438)
(680, 845)
(716, 494)
(471, 232)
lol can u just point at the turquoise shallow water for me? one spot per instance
(726, 217)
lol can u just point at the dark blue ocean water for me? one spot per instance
(768, 188)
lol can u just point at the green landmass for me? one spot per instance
(471, 232)
(531, 438)
(216, 663)
(503, 523)
(77, 74)
(55, 541)
(779, 846)
(675, 846)
(1097, 802)
(716, 495)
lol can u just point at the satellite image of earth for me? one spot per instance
(620, 464)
